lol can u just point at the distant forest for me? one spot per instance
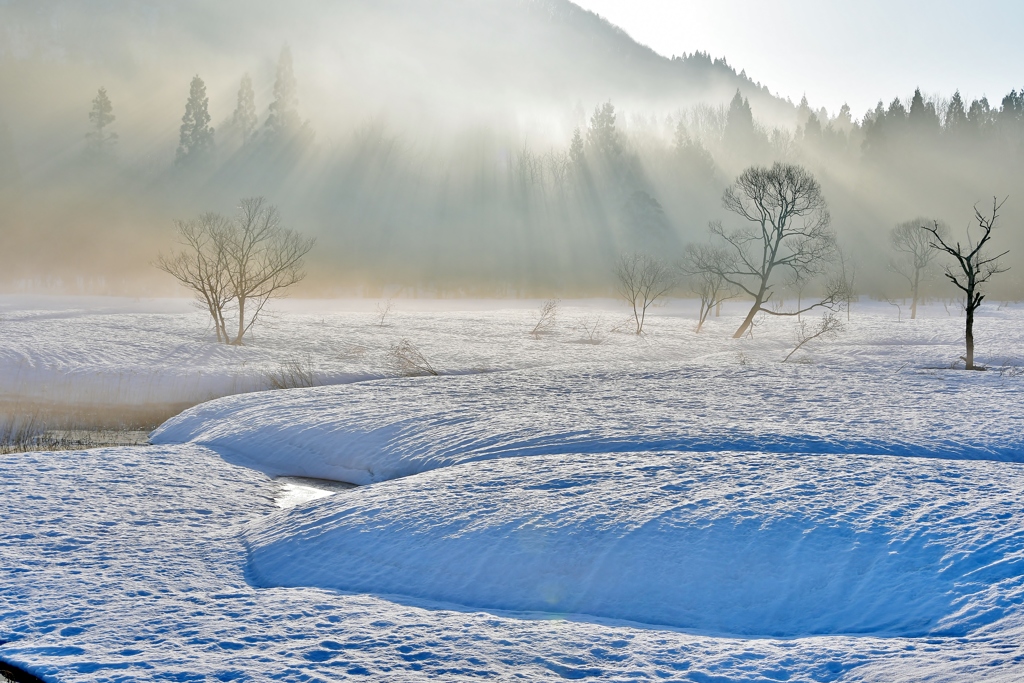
(485, 205)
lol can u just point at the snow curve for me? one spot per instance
(375, 431)
(742, 544)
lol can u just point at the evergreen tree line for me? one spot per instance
(196, 141)
(483, 208)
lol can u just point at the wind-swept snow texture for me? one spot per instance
(672, 507)
(128, 564)
(747, 544)
(374, 431)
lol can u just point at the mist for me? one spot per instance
(433, 150)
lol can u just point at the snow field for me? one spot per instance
(742, 544)
(128, 564)
(672, 507)
(110, 352)
(375, 431)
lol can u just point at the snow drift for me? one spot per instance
(747, 544)
(375, 431)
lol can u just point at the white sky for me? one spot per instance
(856, 52)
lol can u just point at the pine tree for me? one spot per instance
(102, 115)
(283, 120)
(196, 139)
(803, 111)
(956, 114)
(576, 149)
(739, 125)
(244, 118)
(603, 137)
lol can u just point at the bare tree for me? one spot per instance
(847, 279)
(201, 265)
(263, 259)
(914, 253)
(383, 309)
(789, 229)
(643, 279)
(246, 261)
(703, 266)
(973, 268)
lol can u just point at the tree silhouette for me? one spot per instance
(283, 120)
(914, 253)
(196, 139)
(602, 137)
(788, 228)
(101, 115)
(576, 153)
(244, 118)
(972, 270)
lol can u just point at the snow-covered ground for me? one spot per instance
(671, 507)
(124, 352)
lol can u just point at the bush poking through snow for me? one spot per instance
(406, 360)
(548, 315)
(828, 327)
(591, 328)
(383, 309)
(292, 375)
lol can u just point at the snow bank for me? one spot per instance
(374, 431)
(746, 544)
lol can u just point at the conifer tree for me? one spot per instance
(922, 115)
(576, 149)
(739, 124)
(602, 136)
(101, 115)
(283, 120)
(196, 139)
(956, 113)
(244, 118)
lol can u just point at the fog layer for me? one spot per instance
(490, 147)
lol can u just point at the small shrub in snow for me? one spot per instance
(292, 375)
(406, 360)
(548, 315)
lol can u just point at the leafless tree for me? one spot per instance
(263, 259)
(643, 279)
(201, 265)
(914, 254)
(828, 326)
(548, 315)
(973, 269)
(246, 262)
(383, 309)
(703, 266)
(847, 279)
(789, 230)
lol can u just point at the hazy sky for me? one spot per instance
(835, 52)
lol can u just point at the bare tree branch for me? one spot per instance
(642, 280)
(973, 268)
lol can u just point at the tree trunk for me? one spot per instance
(969, 332)
(718, 308)
(241, 321)
(913, 303)
(745, 325)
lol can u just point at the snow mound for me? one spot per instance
(744, 544)
(375, 431)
